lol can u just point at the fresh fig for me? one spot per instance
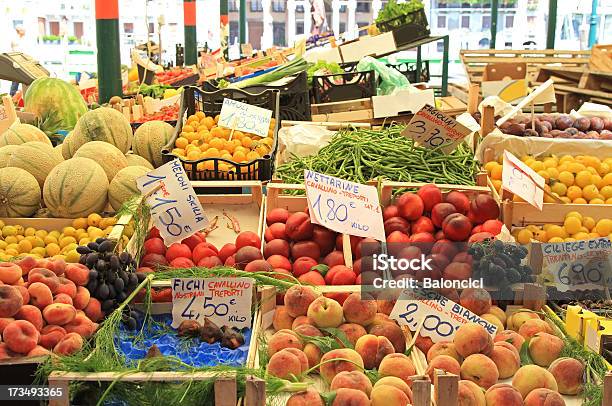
(189, 328)
(210, 332)
(597, 124)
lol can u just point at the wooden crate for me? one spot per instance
(601, 58)
(521, 214)
(388, 188)
(351, 110)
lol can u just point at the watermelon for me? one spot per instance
(102, 124)
(57, 104)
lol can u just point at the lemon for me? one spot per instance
(581, 236)
(69, 231)
(604, 227)
(52, 249)
(524, 236)
(73, 256)
(574, 214)
(597, 200)
(30, 231)
(541, 236)
(572, 225)
(590, 192)
(66, 241)
(533, 228)
(575, 167)
(567, 178)
(566, 158)
(55, 234)
(40, 251)
(9, 230)
(3, 245)
(583, 178)
(559, 188)
(41, 233)
(25, 246)
(537, 166)
(593, 235)
(604, 168)
(543, 173)
(11, 239)
(550, 163)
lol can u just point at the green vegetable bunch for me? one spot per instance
(330, 68)
(155, 91)
(394, 9)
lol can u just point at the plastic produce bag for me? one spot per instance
(388, 79)
(302, 140)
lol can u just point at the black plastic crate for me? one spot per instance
(194, 100)
(293, 97)
(409, 70)
(407, 28)
(343, 86)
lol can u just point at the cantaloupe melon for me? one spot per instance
(102, 124)
(22, 133)
(106, 155)
(76, 187)
(150, 138)
(19, 193)
(5, 154)
(137, 160)
(37, 158)
(66, 147)
(123, 186)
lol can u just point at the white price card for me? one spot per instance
(244, 117)
(440, 316)
(523, 181)
(224, 301)
(344, 206)
(175, 208)
(577, 265)
(431, 129)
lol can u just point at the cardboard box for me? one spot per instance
(506, 80)
(576, 319)
(402, 102)
(381, 44)
(315, 55)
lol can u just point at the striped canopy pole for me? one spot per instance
(191, 44)
(109, 55)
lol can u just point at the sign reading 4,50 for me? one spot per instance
(334, 211)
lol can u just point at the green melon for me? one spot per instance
(102, 124)
(106, 155)
(149, 140)
(37, 158)
(123, 186)
(5, 154)
(75, 188)
(137, 160)
(21, 133)
(57, 104)
(19, 193)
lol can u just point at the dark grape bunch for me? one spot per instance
(111, 276)
(499, 265)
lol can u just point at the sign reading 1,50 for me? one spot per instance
(419, 127)
(335, 211)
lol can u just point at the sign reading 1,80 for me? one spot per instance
(334, 211)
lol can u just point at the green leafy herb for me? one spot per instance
(340, 335)
(524, 353)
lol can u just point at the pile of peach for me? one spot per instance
(45, 307)
(376, 341)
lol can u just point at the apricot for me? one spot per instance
(40, 295)
(4, 321)
(284, 339)
(476, 300)
(93, 310)
(470, 394)
(503, 394)
(10, 301)
(298, 299)
(325, 312)
(10, 273)
(286, 364)
(398, 365)
(282, 319)
(544, 348)
(373, 349)
(443, 348)
(358, 310)
(310, 397)
(38, 351)
(393, 332)
(51, 335)
(31, 314)
(59, 313)
(69, 344)
(511, 337)
(480, 369)
(530, 377)
(472, 338)
(516, 319)
(21, 336)
(81, 325)
(353, 397)
(395, 382)
(313, 353)
(77, 273)
(532, 327)
(507, 359)
(387, 395)
(352, 380)
(444, 363)
(569, 375)
(351, 361)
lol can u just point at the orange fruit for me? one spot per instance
(194, 155)
(239, 156)
(211, 153)
(252, 155)
(590, 192)
(217, 132)
(496, 173)
(216, 143)
(188, 128)
(247, 142)
(574, 192)
(181, 142)
(200, 115)
(178, 152)
(204, 147)
(227, 156)
(579, 200)
(217, 117)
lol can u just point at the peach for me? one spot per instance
(444, 363)
(45, 276)
(21, 336)
(10, 301)
(93, 310)
(66, 286)
(472, 338)
(69, 344)
(26, 264)
(282, 319)
(300, 356)
(62, 298)
(57, 266)
(423, 343)
(544, 397)
(40, 295)
(568, 373)
(476, 300)
(491, 318)
(4, 321)
(325, 312)
(387, 395)
(81, 298)
(353, 397)
(503, 394)
(6, 353)
(298, 299)
(81, 325)
(516, 319)
(310, 397)
(77, 273)
(373, 349)
(352, 331)
(544, 348)
(395, 382)
(443, 348)
(358, 310)
(59, 313)
(530, 377)
(38, 351)
(511, 337)
(380, 318)
(285, 364)
(313, 353)
(352, 380)
(499, 313)
(301, 320)
(470, 394)
(10, 273)
(284, 339)
(308, 330)
(51, 335)
(480, 369)
(393, 332)
(351, 361)
(25, 295)
(507, 359)
(398, 365)
(31, 314)
(531, 327)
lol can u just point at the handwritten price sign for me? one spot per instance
(431, 129)
(175, 208)
(523, 181)
(578, 265)
(224, 301)
(244, 117)
(343, 206)
(441, 316)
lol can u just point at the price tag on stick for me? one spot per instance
(244, 117)
(344, 206)
(175, 208)
(431, 129)
(523, 181)
(225, 301)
